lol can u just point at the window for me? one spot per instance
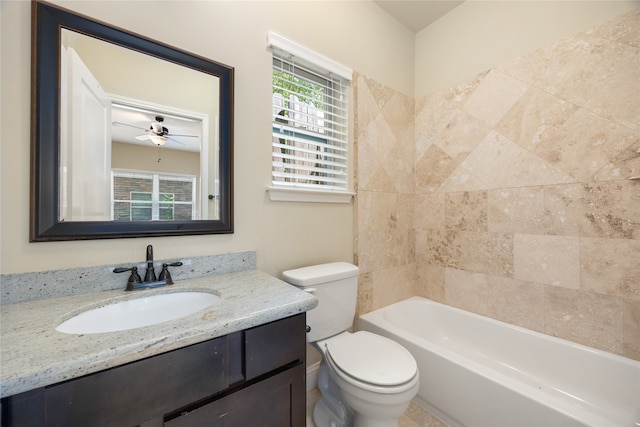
(310, 145)
(139, 196)
(141, 207)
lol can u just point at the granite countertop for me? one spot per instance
(33, 354)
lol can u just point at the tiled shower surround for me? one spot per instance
(509, 195)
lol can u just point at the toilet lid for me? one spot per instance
(373, 359)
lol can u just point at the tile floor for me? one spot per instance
(414, 417)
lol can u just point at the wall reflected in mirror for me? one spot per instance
(138, 136)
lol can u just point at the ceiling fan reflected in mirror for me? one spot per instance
(157, 133)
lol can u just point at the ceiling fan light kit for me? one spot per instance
(158, 139)
(157, 133)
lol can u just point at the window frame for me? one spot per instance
(159, 204)
(320, 66)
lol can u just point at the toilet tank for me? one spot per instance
(336, 287)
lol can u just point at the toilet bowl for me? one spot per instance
(376, 376)
(365, 380)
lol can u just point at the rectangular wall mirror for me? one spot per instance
(130, 138)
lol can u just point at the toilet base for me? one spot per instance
(362, 421)
(331, 410)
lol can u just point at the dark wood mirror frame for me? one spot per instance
(47, 22)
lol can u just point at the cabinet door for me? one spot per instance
(277, 401)
(274, 345)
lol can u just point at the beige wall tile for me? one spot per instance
(430, 282)
(631, 329)
(516, 210)
(625, 165)
(494, 96)
(429, 210)
(468, 291)
(437, 247)
(498, 162)
(631, 206)
(429, 124)
(398, 113)
(623, 29)
(516, 302)
(367, 106)
(384, 138)
(605, 210)
(461, 134)
(372, 156)
(614, 98)
(595, 209)
(433, 168)
(489, 253)
(611, 266)
(535, 118)
(581, 64)
(564, 209)
(466, 210)
(385, 230)
(392, 285)
(584, 317)
(552, 260)
(571, 138)
(365, 293)
(585, 143)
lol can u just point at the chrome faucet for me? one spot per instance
(150, 280)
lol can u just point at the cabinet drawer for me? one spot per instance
(279, 400)
(274, 345)
(130, 394)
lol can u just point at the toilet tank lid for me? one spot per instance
(315, 274)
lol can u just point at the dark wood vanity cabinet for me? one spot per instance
(254, 377)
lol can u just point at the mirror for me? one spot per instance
(118, 148)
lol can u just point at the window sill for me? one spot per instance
(294, 194)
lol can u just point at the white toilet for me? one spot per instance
(366, 380)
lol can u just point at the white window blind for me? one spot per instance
(310, 124)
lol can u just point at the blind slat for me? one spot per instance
(307, 178)
(310, 140)
(310, 126)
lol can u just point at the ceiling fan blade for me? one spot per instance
(126, 124)
(142, 137)
(175, 140)
(184, 136)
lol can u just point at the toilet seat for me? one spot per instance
(372, 362)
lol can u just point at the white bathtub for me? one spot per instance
(480, 372)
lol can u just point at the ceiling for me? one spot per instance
(417, 14)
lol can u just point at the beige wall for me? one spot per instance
(285, 235)
(154, 159)
(480, 34)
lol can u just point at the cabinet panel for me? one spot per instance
(279, 400)
(133, 393)
(275, 344)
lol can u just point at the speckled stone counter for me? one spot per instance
(33, 354)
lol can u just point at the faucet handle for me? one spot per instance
(165, 275)
(134, 278)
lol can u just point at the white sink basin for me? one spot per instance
(135, 313)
